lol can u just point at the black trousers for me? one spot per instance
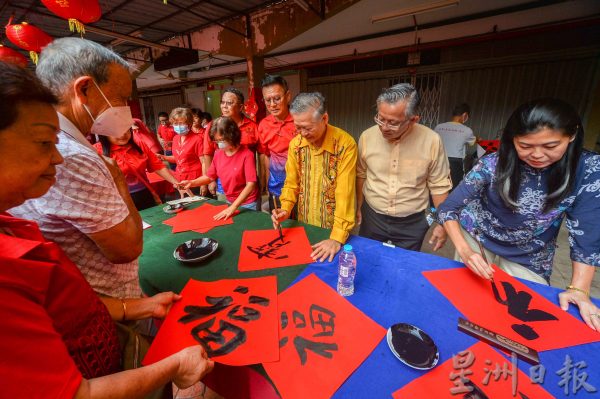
(457, 171)
(404, 232)
(143, 199)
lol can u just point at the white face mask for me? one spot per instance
(113, 121)
(222, 145)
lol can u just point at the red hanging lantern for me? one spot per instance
(28, 37)
(77, 12)
(12, 56)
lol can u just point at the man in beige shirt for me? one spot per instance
(400, 164)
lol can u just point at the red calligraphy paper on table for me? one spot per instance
(234, 320)
(484, 368)
(263, 249)
(508, 307)
(199, 219)
(323, 338)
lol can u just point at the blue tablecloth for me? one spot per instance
(390, 288)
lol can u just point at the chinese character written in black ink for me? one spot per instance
(228, 335)
(570, 373)
(517, 303)
(269, 250)
(322, 322)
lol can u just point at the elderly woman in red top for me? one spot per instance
(134, 159)
(58, 339)
(187, 147)
(234, 165)
(142, 133)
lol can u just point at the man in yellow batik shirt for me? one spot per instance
(320, 175)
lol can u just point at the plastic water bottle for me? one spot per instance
(346, 271)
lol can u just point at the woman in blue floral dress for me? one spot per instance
(515, 200)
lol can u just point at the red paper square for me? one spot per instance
(249, 304)
(437, 382)
(198, 219)
(312, 312)
(294, 250)
(474, 298)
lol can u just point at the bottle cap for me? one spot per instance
(347, 247)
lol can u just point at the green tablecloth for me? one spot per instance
(159, 271)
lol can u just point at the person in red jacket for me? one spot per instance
(142, 133)
(134, 160)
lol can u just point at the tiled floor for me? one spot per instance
(561, 274)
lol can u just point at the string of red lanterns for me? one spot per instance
(27, 37)
(12, 56)
(77, 12)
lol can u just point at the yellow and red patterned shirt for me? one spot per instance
(322, 181)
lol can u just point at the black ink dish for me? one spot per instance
(195, 250)
(412, 346)
(173, 208)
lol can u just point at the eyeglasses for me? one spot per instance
(390, 125)
(228, 103)
(274, 100)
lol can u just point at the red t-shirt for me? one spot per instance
(166, 133)
(187, 153)
(249, 138)
(233, 172)
(274, 136)
(54, 329)
(134, 164)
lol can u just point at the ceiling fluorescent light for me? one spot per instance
(419, 9)
(303, 5)
(126, 38)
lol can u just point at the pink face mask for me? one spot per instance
(113, 121)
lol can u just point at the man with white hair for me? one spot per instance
(89, 211)
(400, 164)
(320, 175)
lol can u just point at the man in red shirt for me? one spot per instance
(166, 134)
(274, 134)
(232, 103)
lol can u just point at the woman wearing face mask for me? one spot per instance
(187, 147)
(134, 159)
(234, 165)
(514, 201)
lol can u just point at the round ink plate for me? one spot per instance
(195, 250)
(174, 208)
(412, 346)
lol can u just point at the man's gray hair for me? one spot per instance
(402, 92)
(69, 58)
(309, 101)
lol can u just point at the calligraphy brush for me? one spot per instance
(277, 205)
(481, 249)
